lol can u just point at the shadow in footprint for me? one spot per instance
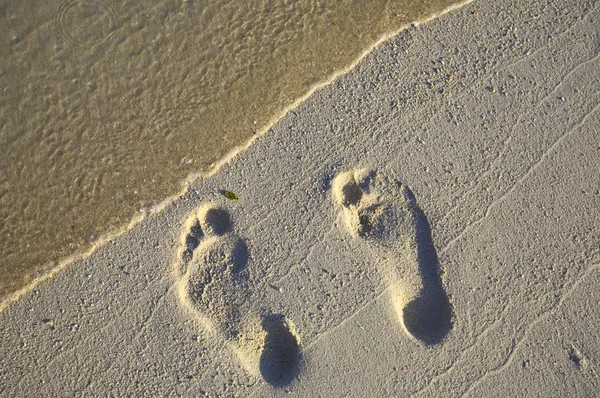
(378, 211)
(240, 256)
(428, 317)
(281, 355)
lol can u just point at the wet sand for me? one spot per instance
(426, 225)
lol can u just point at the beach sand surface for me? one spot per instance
(426, 225)
(109, 108)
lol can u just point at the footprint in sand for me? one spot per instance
(385, 215)
(214, 282)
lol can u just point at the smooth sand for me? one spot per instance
(427, 225)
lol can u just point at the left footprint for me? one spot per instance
(213, 281)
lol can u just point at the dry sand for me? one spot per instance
(427, 225)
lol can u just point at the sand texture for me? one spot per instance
(427, 225)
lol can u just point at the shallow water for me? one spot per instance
(107, 106)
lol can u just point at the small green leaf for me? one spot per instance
(231, 195)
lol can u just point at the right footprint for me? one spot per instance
(384, 214)
(214, 282)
